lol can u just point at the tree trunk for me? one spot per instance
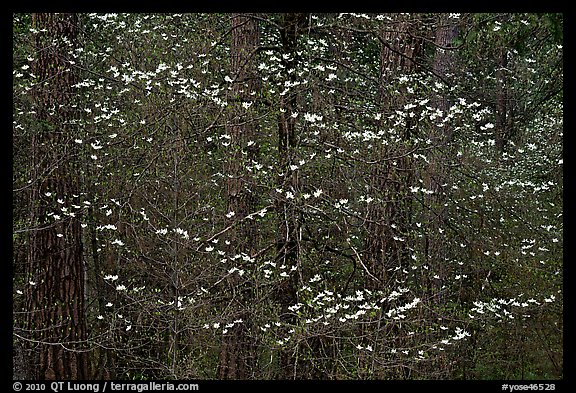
(387, 249)
(399, 50)
(287, 243)
(435, 176)
(55, 299)
(501, 129)
(237, 358)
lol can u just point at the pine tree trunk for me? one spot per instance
(435, 176)
(287, 243)
(501, 133)
(388, 220)
(237, 357)
(55, 300)
(398, 55)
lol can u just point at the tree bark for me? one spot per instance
(435, 175)
(389, 219)
(386, 246)
(287, 243)
(55, 299)
(237, 357)
(501, 126)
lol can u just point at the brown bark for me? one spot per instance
(435, 176)
(399, 51)
(55, 303)
(446, 32)
(501, 100)
(386, 248)
(237, 357)
(400, 47)
(287, 243)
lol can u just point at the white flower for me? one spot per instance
(128, 327)
(100, 317)
(209, 248)
(230, 214)
(317, 193)
(108, 304)
(182, 232)
(110, 277)
(120, 288)
(312, 117)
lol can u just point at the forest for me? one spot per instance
(287, 196)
